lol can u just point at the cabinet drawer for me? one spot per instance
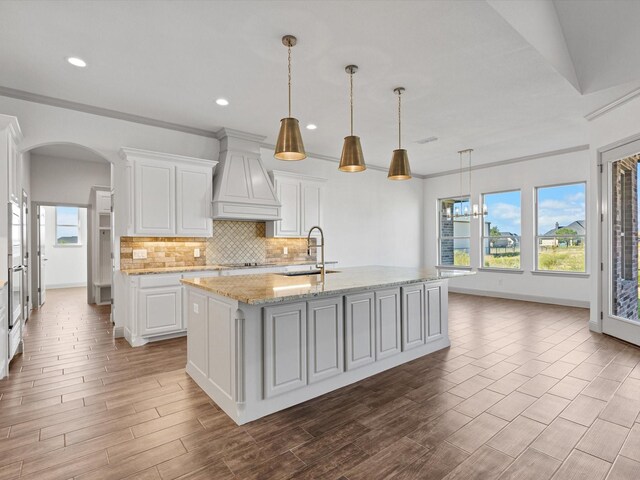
(149, 281)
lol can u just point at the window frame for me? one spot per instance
(536, 252)
(440, 237)
(56, 225)
(482, 237)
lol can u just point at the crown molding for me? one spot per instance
(103, 112)
(612, 105)
(552, 153)
(230, 132)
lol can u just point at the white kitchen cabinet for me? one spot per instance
(194, 193)
(171, 194)
(435, 297)
(413, 316)
(325, 338)
(155, 198)
(388, 320)
(360, 330)
(301, 199)
(160, 310)
(285, 348)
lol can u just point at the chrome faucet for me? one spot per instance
(321, 267)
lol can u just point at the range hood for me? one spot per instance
(242, 188)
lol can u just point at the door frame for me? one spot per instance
(606, 322)
(35, 279)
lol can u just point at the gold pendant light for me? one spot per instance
(399, 168)
(352, 159)
(289, 145)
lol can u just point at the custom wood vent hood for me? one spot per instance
(242, 188)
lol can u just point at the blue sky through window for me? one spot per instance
(563, 204)
(504, 211)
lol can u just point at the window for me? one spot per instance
(501, 230)
(67, 226)
(561, 228)
(454, 230)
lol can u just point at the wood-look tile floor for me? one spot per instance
(525, 391)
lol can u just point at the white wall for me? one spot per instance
(612, 127)
(367, 219)
(64, 181)
(564, 289)
(66, 265)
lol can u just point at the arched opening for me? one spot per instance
(66, 220)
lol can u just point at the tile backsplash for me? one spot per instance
(162, 252)
(232, 242)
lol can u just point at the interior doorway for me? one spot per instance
(620, 226)
(62, 248)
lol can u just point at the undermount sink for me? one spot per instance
(306, 272)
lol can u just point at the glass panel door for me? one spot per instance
(620, 244)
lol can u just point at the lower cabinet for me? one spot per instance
(308, 342)
(413, 316)
(388, 322)
(434, 303)
(285, 348)
(325, 339)
(160, 310)
(360, 330)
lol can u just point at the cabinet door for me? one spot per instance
(155, 198)
(387, 323)
(288, 191)
(285, 348)
(413, 317)
(103, 202)
(12, 166)
(160, 310)
(325, 338)
(311, 205)
(360, 331)
(193, 200)
(434, 309)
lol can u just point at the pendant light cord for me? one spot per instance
(351, 98)
(399, 121)
(289, 72)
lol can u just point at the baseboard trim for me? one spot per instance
(65, 285)
(118, 332)
(525, 298)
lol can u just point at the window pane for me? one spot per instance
(455, 252)
(67, 216)
(67, 235)
(561, 228)
(502, 252)
(501, 230)
(561, 210)
(561, 253)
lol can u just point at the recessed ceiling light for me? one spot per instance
(311, 126)
(77, 62)
(223, 102)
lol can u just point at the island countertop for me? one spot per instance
(275, 288)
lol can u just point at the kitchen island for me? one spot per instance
(258, 344)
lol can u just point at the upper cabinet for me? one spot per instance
(10, 164)
(169, 195)
(301, 198)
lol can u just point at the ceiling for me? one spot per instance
(69, 152)
(472, 78)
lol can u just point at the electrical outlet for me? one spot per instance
(196, 253)
(285, 250)
(140, 254)
(195, 308)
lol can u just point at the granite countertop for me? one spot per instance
(210, 268)
(270, 288)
